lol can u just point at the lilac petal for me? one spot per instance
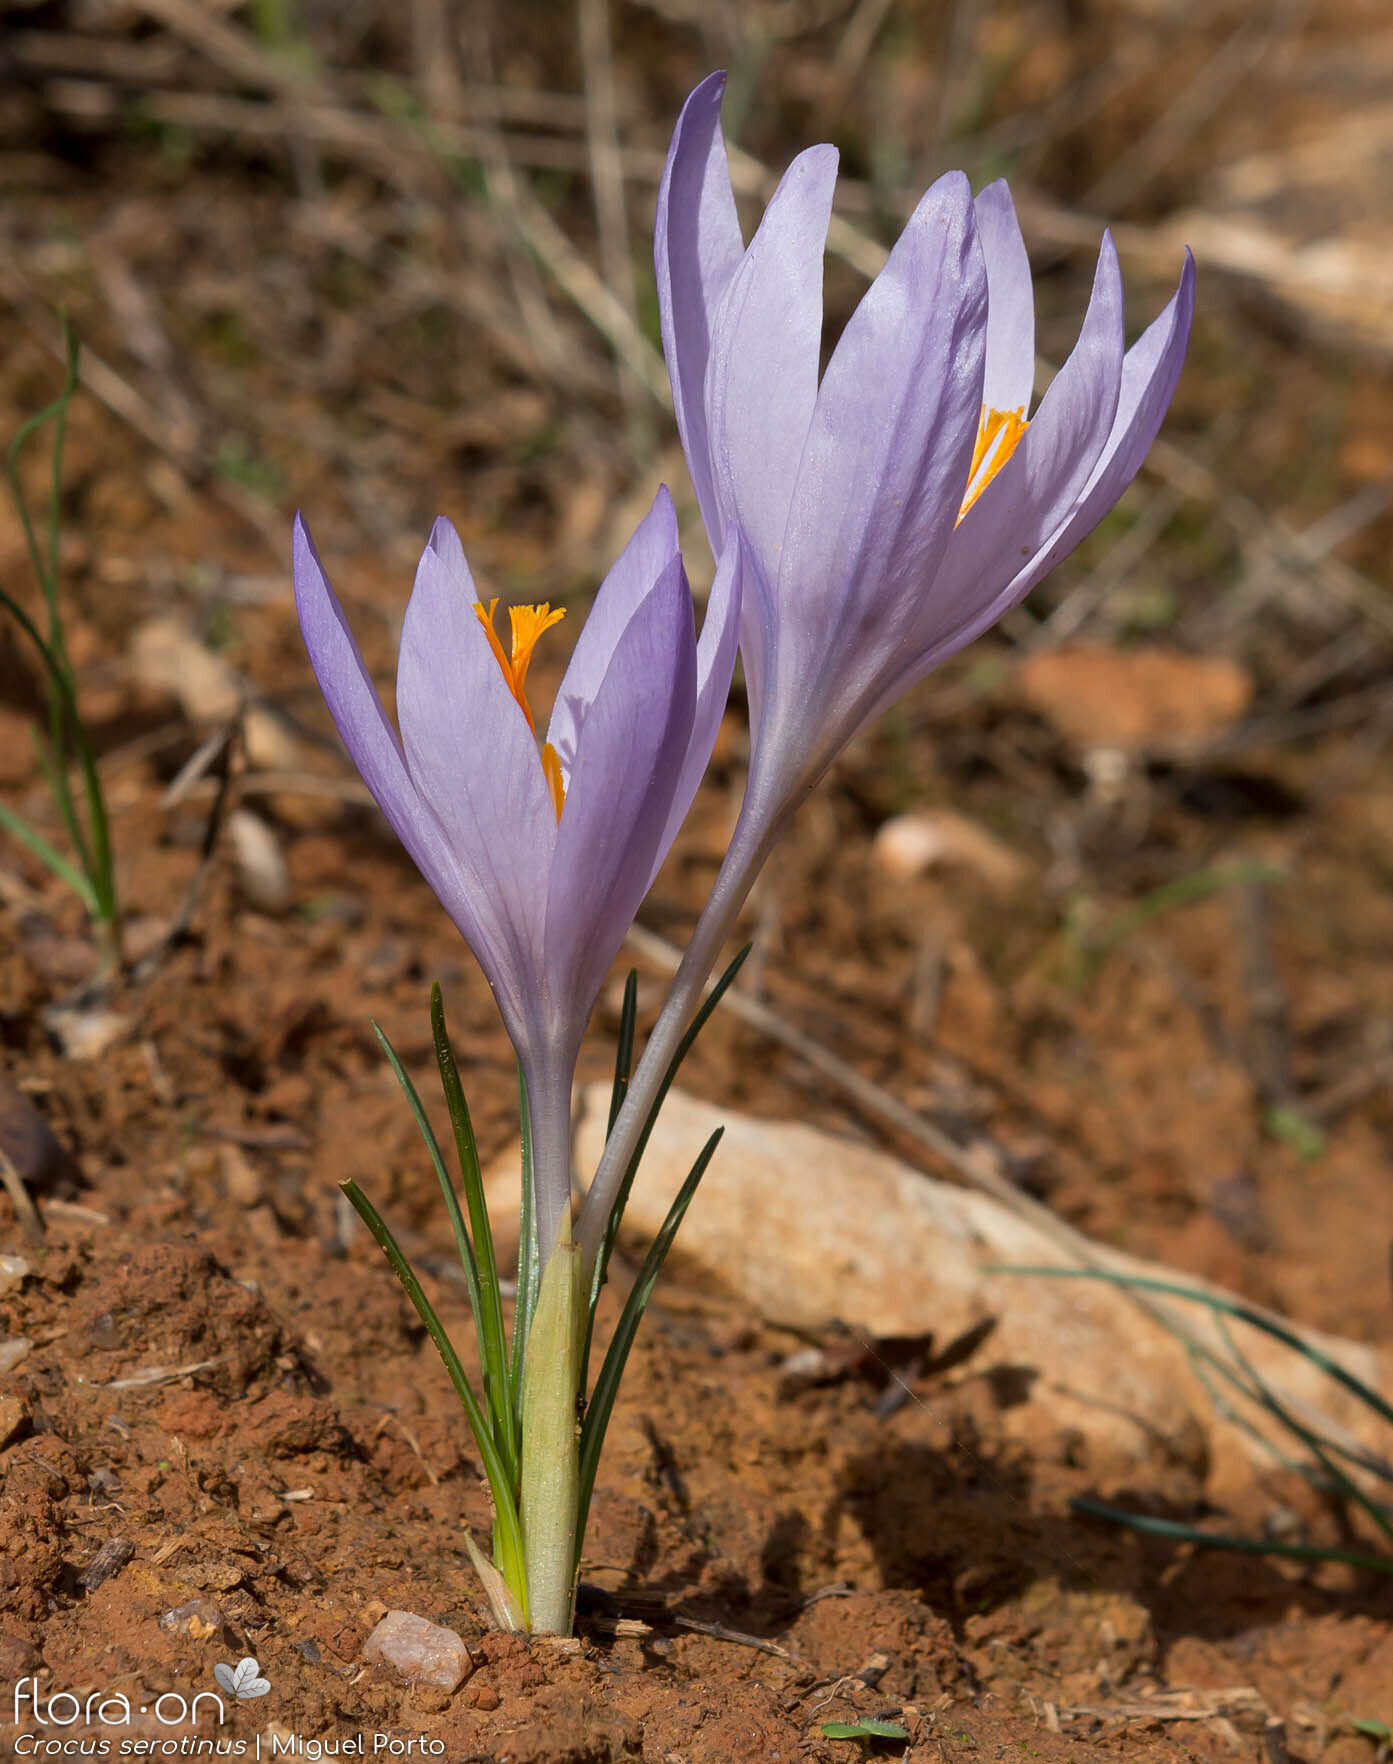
(1010, 375)
(715, 663)
(473, 757)
(1024, 505)
(761, 380)
(368, 735)
(888, 450)
(696, 249)
(1150, 371)
(632, 750)
(648, 553)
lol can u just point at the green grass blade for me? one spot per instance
(493, 1340)
(1247, 1546)
(624, 1049)
(529, 1271)
(447, 1188)
(1322, 1450)
(507, 1529)
(684, 1047)
(51, 859)
(601, 1405)
(1229, 1307)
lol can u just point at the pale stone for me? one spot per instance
(911, 844)
(807, 1228)
(261, 865)
(13, 1271)
(14, 1351)
(418, 1650)
(1098, 696)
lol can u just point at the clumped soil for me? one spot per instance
(1157, 986)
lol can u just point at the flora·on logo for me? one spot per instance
(243, 1681)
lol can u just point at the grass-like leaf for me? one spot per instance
(447, 1187)
(1210, 1540)
(67, 734)
(493, 1340)
(684, 1047)
(507, 1531)
(601, 1405)
(1323, 1469)
(529, 1268)
(624, 1049)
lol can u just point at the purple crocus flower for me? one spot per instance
(889, 512)
(540, 858)
(895, 510)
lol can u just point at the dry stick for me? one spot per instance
(1197, 101)
(1295, 551)
(504, 193)
(607, 185)
(27, 1212)
(392, 150)
(125, 402)
(981, 1163)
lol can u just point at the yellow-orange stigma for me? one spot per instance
(998, 435)
(526, 624)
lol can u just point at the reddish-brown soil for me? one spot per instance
(221, 1372)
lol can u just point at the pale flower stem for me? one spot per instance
(549, 1109)
(749, 847)
(550, 1482)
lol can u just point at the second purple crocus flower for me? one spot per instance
(894, 509)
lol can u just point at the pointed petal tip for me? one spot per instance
(443, 536)
(704, 99)
(308, 572)
(664, 509)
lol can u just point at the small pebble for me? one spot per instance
(109, 1560)
(13, 1416)
(200, 1618)
(17, 1656)
(14, 1351)
(261, 865)
(419, 1650)
(13, 1270)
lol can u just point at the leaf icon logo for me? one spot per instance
(243, 1681)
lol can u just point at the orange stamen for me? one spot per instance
(551, 771)
(998, 435)
(526, 624)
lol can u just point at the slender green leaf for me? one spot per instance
(1209, 1540)
(870, 1728)
(601, 1405)
(529, 1271)
(624, 1049)
(507, 1529)
(1272, 1326)
(447, 1188)
(67, 731)
(1320, 1449)
(46, 855)
(493, 1340)
(684, 1047)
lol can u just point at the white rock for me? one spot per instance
(419, 1650)
(808, 1228)
(14, 1351)
(261, 864)
(13, 1272)
(923, 840)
